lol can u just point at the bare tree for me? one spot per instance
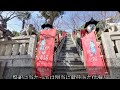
(23, 16)
(76, 19)
(37, 22)
(5, 16)
(102, 15)
(58, 23)
(73, 21)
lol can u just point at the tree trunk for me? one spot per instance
(23, 24)
(51, 21)
(4, 24)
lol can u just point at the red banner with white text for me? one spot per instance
(45, 52)
(94, 63)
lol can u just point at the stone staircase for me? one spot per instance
(69, 62)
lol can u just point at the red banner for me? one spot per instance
(94, 63)
(45, 51)
(83, 33)
(63, 34)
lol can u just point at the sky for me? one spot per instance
(16, 24)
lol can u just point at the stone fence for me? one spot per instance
(17, 57)
(111, 47)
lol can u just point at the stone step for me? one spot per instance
(75, 63)
(69, 59)
(83, 73)
(62, 64)
(62, 54)
(66, 50)
(68, 53)
(69, 43)
(72, 69)
(68, 66)
(70, 62)
(68, 70)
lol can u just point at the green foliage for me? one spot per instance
(100, 25)
(23, 15)
(15, 33)
(48, 14)
(52, 15)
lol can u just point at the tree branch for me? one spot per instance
(8, 14)
(11, 15)
(1, 18)
(14, 16)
